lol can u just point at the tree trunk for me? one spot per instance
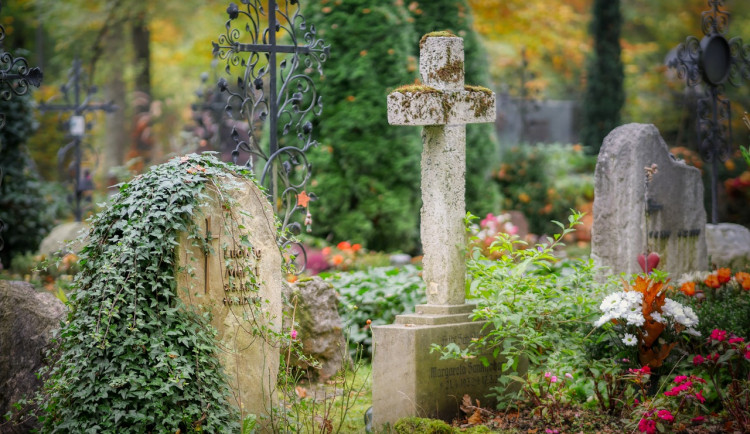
(116, 135)
(143, 142)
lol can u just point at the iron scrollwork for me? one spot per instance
(284, 95)
(77, 106)
(15, 75)
(713, 61)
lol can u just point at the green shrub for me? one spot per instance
(538, 308)
(22, 204)
(545, 182)
(378, 295)
(365, 170)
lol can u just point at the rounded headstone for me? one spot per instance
(728, 245)
(65, 237)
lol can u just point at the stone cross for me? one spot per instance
(443, 105)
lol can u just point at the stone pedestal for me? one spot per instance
(409, 380)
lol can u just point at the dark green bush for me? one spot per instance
(366, 171)
(22, 204)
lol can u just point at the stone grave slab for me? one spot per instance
(241, 264)
(666, 217)
(408, 380)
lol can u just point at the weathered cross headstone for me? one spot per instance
(235, 275)
(630, 217)
(407, 379)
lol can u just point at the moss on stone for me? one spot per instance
(409, 425)
(438, 34)
(416, 88)
(482, 89)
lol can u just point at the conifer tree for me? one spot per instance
(604, 87)
(22, 206)
(482, 195)
(365, 171)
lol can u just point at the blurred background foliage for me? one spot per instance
(148, 58)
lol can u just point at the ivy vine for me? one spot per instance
(131, 357)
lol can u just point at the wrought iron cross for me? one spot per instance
(713, 60)
(292, 100)
(77, 127)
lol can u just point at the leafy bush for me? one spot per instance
(22, 204)
(367, 169)
(545, 182)
(375, 297)
(537, 308)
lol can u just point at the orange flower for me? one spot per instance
(688, 288)
(337, 259)
(712, 281)
(326, 251)
(291, 278)
(743, 279)
(344, 245)
(523, 197)
(724, 275)
(356, 247)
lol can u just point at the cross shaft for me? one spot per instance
(443, 106)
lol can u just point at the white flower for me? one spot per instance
(629, 340)
(692, 331)
(611, 302)
(656, 316)
(635, 318)
(602, 320)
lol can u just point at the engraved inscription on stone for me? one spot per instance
(240, 268)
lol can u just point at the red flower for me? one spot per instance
(697, 360)
(688, 288)
(647, 425)
(724, 275)
(344, 245)
(665, 415)
(699, 397)
(718, 335)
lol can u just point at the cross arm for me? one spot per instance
(419, 105)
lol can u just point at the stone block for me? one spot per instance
(409, 380)
(728, 245)
(420, 106)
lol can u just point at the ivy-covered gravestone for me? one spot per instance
(176, 309)
(234, 276)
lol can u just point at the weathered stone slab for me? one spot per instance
(314, 305)
(27, 319)
(667, 217)
(237, 279)
(728, 245)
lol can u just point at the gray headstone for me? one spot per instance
(27, 318)
(728, 245)
(667, 217)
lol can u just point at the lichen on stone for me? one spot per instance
(482, 89)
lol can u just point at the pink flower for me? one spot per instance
(293, 334)
(698, 419)
(568, 375)
(735, 340)
(553, 379)
(680, 378)
(718, 335)
(697, 360)
(699, 397)
(665, 415)
(551, 431)
(547, 374)
(747, 354)
(647, 425)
